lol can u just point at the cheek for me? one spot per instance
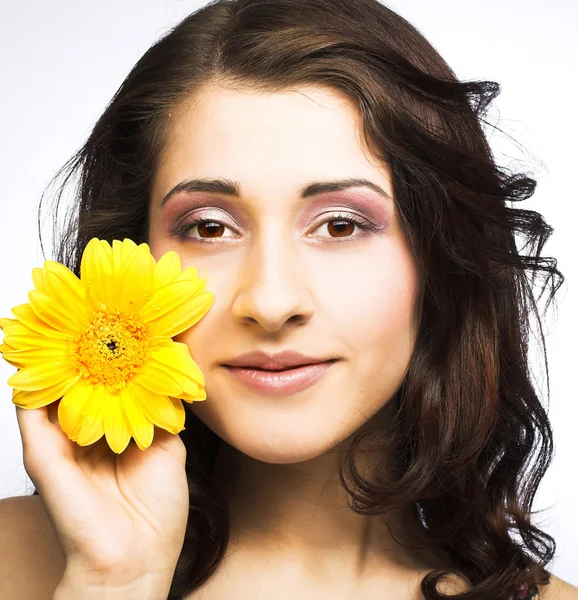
(370, 300)
(158, 242)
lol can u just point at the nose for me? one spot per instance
(273, 289)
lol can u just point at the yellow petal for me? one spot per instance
(31, 342)
(71, 407)
(12, 362)
(43, 397)
(116, 428)
(157, 408)
(39, 376)
(25, 314)
(65, 287)
(199, 396)
(55, 314)
(188, 386)
(48, 356)
(121, 251)
(178, 404)
(142, 430)
(191, 274)
(166, 299)
(166, 269)
(13, 327)
(157, 380)
(183, 316)
(38, 279)
(97, 273)
(92, 425)
(4, 350)
(175, 358)
(135, 279)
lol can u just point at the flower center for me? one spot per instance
(111, 349)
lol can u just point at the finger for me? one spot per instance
(41, 433)
(43, 442)
(49, 461)
(170, 442)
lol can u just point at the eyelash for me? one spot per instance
(183, 230)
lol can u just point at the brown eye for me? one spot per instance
(211, 229)
(340, 228)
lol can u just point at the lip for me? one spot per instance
(273, 362)
(280, 382)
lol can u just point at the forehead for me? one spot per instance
(266, 139)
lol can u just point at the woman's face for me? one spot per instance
(327, 274)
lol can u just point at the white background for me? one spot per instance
(61, 61)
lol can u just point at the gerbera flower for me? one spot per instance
(102, 344)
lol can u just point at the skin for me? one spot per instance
(285, 277)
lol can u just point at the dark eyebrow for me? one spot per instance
(233, 188)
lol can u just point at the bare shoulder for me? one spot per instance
(558, 589)
(31, 557)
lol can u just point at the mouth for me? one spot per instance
(280, 382)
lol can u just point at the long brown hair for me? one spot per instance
(471, 438)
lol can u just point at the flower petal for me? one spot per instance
(25, 314)
(166, 299)
(64, 286)
(31, 342)
(92, 424)
(71, 407)
(157, 380)
(198, 397)
(116, 428)
(38, 279)
(178, 404)
(134, 279)
(191, 274)
(55, 314)
(4, 350)
(40, 375)
(97, 273)
(141, 428)
(175, 358)
(121, 251)
(156, 407)
(46, 355)
(14, 363)
(43, 397)
(182, 316)
(166, 269)
(13, 327)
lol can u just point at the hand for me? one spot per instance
(119, 517)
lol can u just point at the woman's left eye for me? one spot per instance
(343, 226)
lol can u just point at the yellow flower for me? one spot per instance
(102, 343)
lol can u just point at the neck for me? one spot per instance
(299, 512)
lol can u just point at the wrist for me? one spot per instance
(76, 586)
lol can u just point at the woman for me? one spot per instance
(327, 173)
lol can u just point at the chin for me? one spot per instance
(279, 454)
(272, 440)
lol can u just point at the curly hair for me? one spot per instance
(471, 438)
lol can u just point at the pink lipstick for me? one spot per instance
(279, 374)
